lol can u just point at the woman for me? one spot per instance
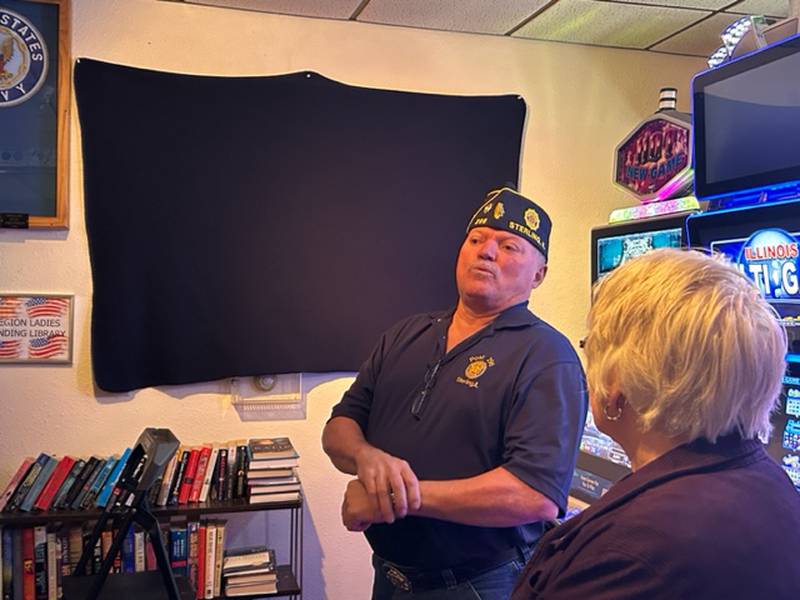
(685, 362)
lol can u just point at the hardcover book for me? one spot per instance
(22, 471)
(271, 448)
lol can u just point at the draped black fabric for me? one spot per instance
(250, 225)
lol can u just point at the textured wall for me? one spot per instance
(582, 101)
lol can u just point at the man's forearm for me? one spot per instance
(493, 499)
(342, 439)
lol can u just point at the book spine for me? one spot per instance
(8, 564)
(210, 474)
(69, 481)
(60, 541)
(188, 476)
(28, 568)
(200, 474)
(59, 475)
(192, 529)
(218, 555)
(13, 484)
(80, 480)
(108, 487)
(129, 552)
(52, 568)
(18, 569)
(211, 549)
(177, 480)
(139, 551)
(222, 474)
(87, 484)
(178, 550)
(200, 582)
(163, 493)
(94, 490)
(40, 561)
(30, 477)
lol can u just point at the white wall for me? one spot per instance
(582, 102)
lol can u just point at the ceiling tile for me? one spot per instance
(607, 23)
(701, 39)
(770, 8)
(702, 4)
(476, 16)
(329, 9)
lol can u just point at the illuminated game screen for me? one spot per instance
(613, 251)
(764, 243)
(601, 461)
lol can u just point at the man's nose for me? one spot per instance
(488, 250)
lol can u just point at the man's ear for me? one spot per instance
(538, 277)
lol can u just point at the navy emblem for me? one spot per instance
(23, 59)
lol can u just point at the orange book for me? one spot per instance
(188, 476)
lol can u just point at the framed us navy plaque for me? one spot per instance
(34, 113)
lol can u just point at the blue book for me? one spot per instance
(90, 498)
(128, 552)
(108, 487)
(44, 476)
(179, 550)
(30, 478)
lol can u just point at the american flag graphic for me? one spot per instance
(9, 307)
(47, 347)
(10, 348)
(46, 307)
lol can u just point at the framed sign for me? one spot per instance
(34, 112)
(36, 328)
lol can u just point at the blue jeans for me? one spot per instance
(493, 584)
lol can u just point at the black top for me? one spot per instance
(511, 395)
(703, 521)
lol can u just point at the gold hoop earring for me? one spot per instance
(615, 417)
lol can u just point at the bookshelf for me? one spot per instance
(290, 575)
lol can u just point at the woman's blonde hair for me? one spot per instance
(690, 343)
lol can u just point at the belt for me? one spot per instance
(410, 579)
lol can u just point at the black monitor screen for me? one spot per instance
(747, 122)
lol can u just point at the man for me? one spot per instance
(463, 426)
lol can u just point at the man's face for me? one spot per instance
(497, 269)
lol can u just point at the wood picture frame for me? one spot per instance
(35, 91)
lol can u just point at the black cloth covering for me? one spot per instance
(250, 225)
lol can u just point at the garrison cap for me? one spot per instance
(509, 210)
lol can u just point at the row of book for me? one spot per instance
(35, 559)
(218, 471)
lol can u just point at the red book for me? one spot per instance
(150, 555)
(28, 575)
(45, 499)
(200, 475)
(188, 476)
(200, 584)
(15, 481)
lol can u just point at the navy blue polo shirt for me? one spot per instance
(511, 395)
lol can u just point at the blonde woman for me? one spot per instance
(685, 362)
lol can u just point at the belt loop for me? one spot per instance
(449, 579)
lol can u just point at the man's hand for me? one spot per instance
(359, 510)
(389, 482)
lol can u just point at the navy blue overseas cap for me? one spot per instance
(509, 210)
